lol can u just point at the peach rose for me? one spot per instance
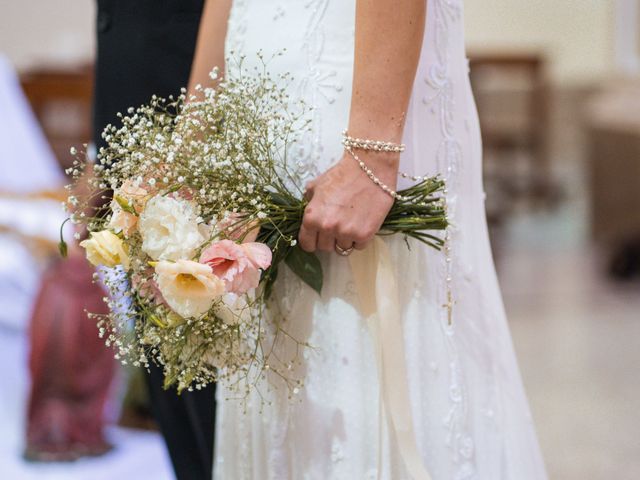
(128, 201)
(122, 221)
(188, 287)
(238, 264)
(134, 194)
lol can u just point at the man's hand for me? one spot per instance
(346, 209)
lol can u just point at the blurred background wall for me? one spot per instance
(34, 33)
(577, 36)
(51, 45)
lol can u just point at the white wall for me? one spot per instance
(577, 35)
(36, 32)
(627, 36)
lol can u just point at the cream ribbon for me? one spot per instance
(375, 280)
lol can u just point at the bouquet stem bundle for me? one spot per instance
(206, 208)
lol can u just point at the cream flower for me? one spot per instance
(106, 248)
(169, 229)
(188, 287)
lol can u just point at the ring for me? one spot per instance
(345, 252)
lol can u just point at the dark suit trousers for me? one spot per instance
(186, 422)
(145, 47)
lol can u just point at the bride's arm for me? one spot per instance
(346, 207)
(388, 41)
(209, 51)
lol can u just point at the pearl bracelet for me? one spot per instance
(378, 146)
(351, 143)
(375, 145)
(373, 177)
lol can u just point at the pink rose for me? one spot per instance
(238, 264)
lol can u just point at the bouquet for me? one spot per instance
(193, 208)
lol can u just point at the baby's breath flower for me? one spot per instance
(230, 157)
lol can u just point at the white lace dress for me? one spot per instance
(469, 410)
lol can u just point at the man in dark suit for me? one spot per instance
(145, 47)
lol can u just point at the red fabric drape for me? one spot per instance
(71, 368)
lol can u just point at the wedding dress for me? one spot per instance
(467, 403)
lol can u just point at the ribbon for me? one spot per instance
(377, 289)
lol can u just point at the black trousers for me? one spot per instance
(145, 47)
(186, 422)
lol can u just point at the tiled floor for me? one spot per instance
(577, 335)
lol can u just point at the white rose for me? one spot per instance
(106, 248)
(169, 229)
(188, 287)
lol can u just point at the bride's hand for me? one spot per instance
(346, 209)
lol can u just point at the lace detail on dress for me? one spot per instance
(442, 101)
(311, 87)
(236, 28)
(449, 160)
(317, 86)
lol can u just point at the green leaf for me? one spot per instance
(306, 266)
(279, 199)
(156, 320)
(124, 204)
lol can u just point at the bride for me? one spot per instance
(442, 399)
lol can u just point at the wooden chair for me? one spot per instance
(62, 102)
(512, 97)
